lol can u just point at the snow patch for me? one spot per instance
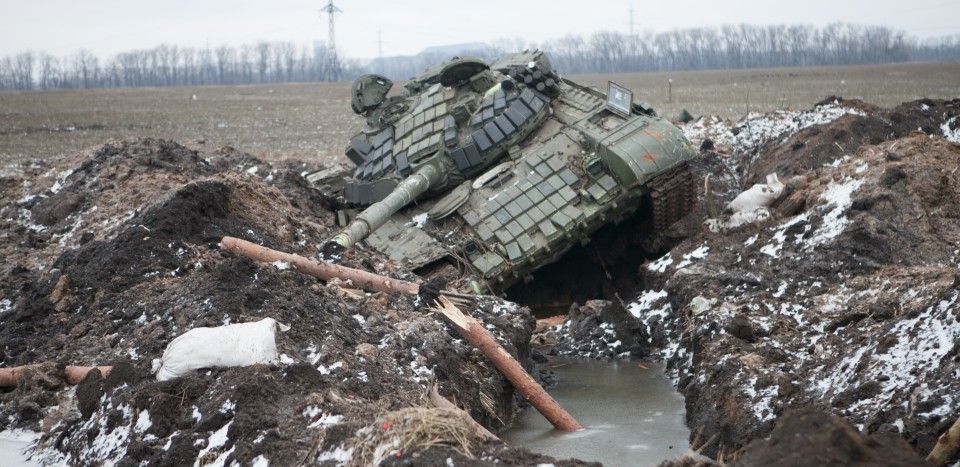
(109, 446)
(339, 455)
(834, 222)
(419, 220)
(216, 440)
(643, 305)
(925, 341)
(758, 128)
(661, 264)
(952, 135)
(324, 370)
(228, 406)
(773, 248)
(762, 399)
(699, 253)
(143, 422)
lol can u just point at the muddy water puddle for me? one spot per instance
(14, 446)
(633, 416)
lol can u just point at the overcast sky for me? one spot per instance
(106, 27)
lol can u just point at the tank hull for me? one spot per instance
(555, 166)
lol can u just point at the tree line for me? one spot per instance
(746, 46)
(170, 65)
(727, 47)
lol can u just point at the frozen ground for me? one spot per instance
(843, 299)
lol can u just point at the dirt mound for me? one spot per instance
(811, 437)
(848, 304)
(114, 253)
(819, 145)
(600, 329)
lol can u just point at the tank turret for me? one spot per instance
(502, 167)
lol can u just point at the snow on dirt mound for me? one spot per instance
(847, 303)
(112, 254)
(796, 142)
(758, 128)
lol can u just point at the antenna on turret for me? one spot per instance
(333, 64)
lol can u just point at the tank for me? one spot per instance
(501, 168)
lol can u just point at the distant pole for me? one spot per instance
(333, 64)
(670, 90)
(631, 19)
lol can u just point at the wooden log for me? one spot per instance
(479, 337)
(10, 377)
(551, 322)
(325, 271)
(75, 374)
(947, 446)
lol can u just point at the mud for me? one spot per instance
(847, 303)
(842, 298)
(110, 255)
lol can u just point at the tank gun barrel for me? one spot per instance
(374, 216)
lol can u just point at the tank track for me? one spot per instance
(673, 195)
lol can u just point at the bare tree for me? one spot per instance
(226, 64)
(6, 73)
(285, 54)
(207, 71)
(263, 60)
(50, 72)
(188, 65)
(86, 69)
(22, 72)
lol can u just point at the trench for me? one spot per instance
(605, 268)
(632, 415)
(632, 412)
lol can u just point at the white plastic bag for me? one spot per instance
(761, 195)
(224, 346)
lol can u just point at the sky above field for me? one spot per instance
(365, 27)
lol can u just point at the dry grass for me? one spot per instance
(299, 121)
(731, 93)
(307, 121)
(413, 428)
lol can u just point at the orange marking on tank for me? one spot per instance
(650, 157)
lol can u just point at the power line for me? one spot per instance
(333, 64)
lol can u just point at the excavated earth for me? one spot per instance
(841, 300)
(110, 254)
